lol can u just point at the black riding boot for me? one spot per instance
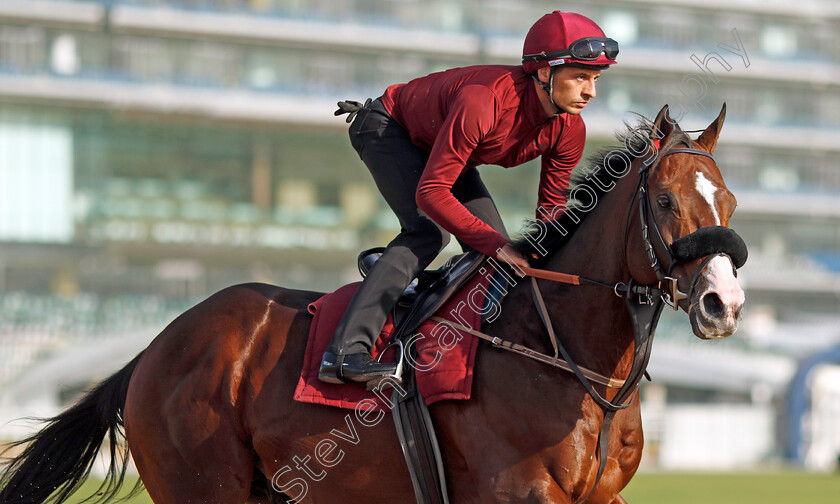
(357, 367)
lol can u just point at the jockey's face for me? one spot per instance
(573, 87)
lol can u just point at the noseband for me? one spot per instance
(708, 242)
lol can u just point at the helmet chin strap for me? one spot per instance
(548, 87)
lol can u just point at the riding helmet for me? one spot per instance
(556, 32)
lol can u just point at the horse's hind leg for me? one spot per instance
(184, 441)
(217, 470)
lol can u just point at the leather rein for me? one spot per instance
(666, 291)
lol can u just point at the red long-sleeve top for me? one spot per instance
(478, 115)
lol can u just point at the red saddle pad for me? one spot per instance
(445, 355)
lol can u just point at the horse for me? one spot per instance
(207, 413)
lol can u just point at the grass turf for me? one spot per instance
(90, 486)
(681, 488)
(733, 488)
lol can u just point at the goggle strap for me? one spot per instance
(569, 53)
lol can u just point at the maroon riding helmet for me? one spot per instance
(560, 38)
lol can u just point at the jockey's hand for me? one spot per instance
(512, 257)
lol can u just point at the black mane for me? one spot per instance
(542, 239)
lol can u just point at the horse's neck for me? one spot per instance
(597, 249)
(591, 320)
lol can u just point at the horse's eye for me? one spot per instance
(663, 202)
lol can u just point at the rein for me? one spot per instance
(566, 363)
(666, 291)
(554, 361)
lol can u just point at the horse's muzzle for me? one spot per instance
(717, 300)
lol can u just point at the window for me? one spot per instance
(778, 178)
(778, 41)
(36, 183)
(22, 48)
(142, 58)
(621, 26)
(211, 63)
(64, 56)
(262, 71)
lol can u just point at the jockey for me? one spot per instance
(422, 142)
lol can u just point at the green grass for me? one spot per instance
(682, 488)
(735, 488)
(92, 484)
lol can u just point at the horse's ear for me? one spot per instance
(663, 125)
(708, 139)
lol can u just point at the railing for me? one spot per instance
(34, 325)
(682, 27)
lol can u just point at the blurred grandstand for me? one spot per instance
(154, 151)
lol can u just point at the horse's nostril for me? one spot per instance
(712, 305)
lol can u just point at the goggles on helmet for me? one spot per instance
(585, 49)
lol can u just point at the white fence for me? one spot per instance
(822, 423)
(709, 436)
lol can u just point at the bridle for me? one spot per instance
(671, 295)
(706, 242)
(715, 241)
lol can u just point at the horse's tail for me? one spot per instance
(58, 459)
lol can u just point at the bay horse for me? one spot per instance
(207, 407)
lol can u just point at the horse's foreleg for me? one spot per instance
(618, 500)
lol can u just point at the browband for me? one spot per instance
(687, 150)
(676, 150)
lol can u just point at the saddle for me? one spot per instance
(426, 293)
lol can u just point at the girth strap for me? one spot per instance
(416, 434)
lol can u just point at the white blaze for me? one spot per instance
(708, 190)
